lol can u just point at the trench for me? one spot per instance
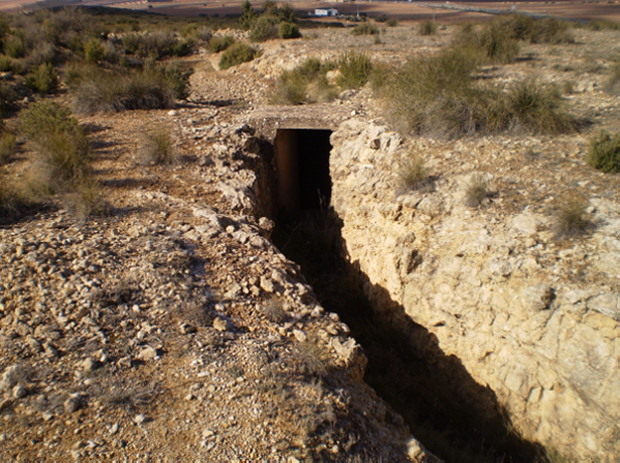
(454, 417)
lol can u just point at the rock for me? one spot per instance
(73, 403)
(266, 284)
(148, 353)
(220, 324)
(19, 391)
(10, 377)
(140, 419)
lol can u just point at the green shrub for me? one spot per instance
(428, 27)
(15, 47)
(43, 79)
(355, 69)
(157, 148)
(220, 43)
(157, 45)
(545, 30)
(288, 31)
(93, 51)
(437, 94)
(203, 34)
(8, 97)
(154, 87)
(264, 28)
(248, 16)
(392, 22)
(303, 84)
(61, 148)
(237, 54)
(364, 29)
(604, 152)
(8, 146)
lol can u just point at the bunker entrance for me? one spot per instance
(302, 163)
(453, 416)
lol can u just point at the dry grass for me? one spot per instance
(412, 174)
(571, 218)
(477, 191)
(355, 69)
(157, 147)
(8, 147)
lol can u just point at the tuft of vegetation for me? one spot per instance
(156, 45)
(93, 51)
(438, 94)
(8, 146)
(412, 174)
(304, 84)
(157, 148)
(236, 54)
(534, 30)
(613, 81)
(428, 27)
(288, 31)
(273, 309)
(365, 29)
(153, 87)
(219, 43)
(43, 79)
(477, 191)
(264, 28)
(60, 145)
(604, 152)
(392, 22)
(570, 215)
(355, 69)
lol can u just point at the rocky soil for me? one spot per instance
(172, 329)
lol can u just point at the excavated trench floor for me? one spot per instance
(445, 409)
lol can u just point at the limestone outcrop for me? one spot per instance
(530, 314)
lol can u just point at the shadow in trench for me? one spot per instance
(446, 409)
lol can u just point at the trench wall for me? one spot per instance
(481, 283)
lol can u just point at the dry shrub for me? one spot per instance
(438, 95)
(365, 29)
(570, 215)
(477, 191)
(355, 69)
(8, 146)
(157, 148)
(613, 80)
(154, 87)
(304, 84)
(428, 27)
(220, 43)
(412, 174)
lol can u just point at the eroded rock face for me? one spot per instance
(533, 316)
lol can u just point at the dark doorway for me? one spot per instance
(302, 163)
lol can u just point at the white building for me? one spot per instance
(325, 12)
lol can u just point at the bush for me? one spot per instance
(437, 94)
(392, 22)
(545, 30)
(15, 47)
(293, 87)
(8, 197)
(220, 43)
(477, 191)
(154, 87)
(493, 43)
(61, 148)
(93, 51)
(355, 69)
(570, 214)
(264, 28)
(157, 148)
(156, 45)
(604, 152)
(412, 174)
(8, 146)
(428, 27)
(43, 80)
(8, 96)
(364, 29)
(248, 16)
(288, 31)
(532, 107)
(237, 54)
